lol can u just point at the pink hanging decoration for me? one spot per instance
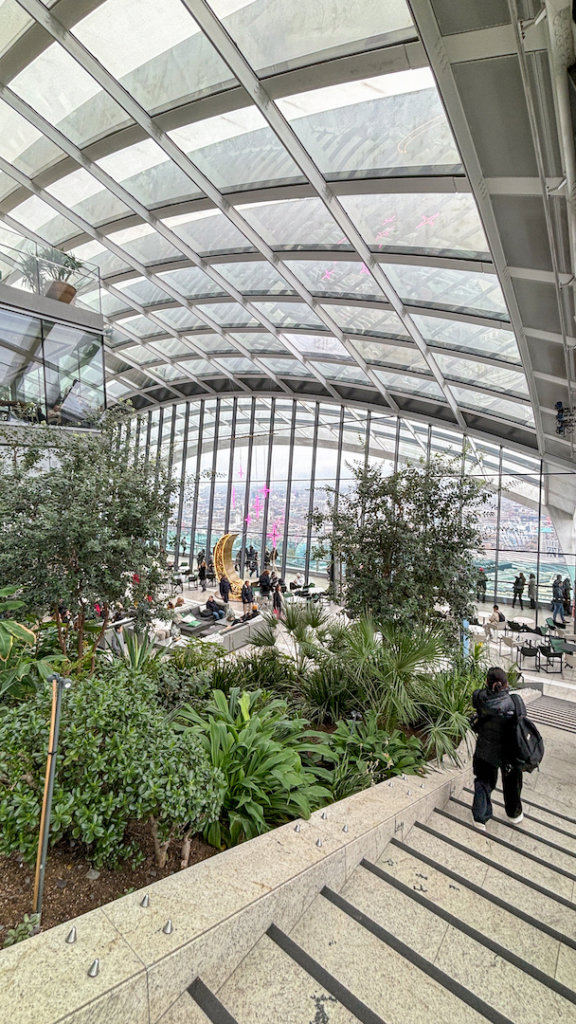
(265, 491)
(274, 534)
(240, 472)
(257, 507)
(233, 497)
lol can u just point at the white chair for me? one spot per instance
(512, 643)
(570, 662)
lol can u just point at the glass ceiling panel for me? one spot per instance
(413, 385)
(116, 388)
(308, 343)
(139, 325)
(239, 365)
(74, 103)
(485, 341)
(445, 224)
(140, 354)
(146, 244)
(212, 343)
(179, 318)
(14, 21)
(287, 367)
(156, 50)
(22, 144)
(199, 367)
(106, 261)
(81, 192)
(170, 347)
(191, 282)
(336, 277)
(37, 215)
(357, 320)
(335, 371)
(401, 356)
(275, 36)
(459, 290)
(294, 222)
(142, 290)
(148, 174)
(168, 372)
(236, 149)
(493, 405)
(494, 377)
(209, 232)
(254, 278)
(259, 342)
(290, 314)
(229, 314)
(109, 304)
(393, 124)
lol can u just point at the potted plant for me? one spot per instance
(59, 267)
(32, 270)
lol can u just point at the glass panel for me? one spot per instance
(146, 244)
(81, 192)
(486, 341)
(180, 318)
(139, 325)
(437, 223)
(148, 174)
(106, 261)
(361, 320)
(290, 314)
(336, 278)
(20, 143)
(140, 354)
(254, 278)
(171, 347)
(37, 215)
(460, 290)
(239, 365)
(197, 367)
(15, 21)
(236, 149)
(168, 372)
(259, 342)
(314, 345)
(212, 343)
(229, 314)
(142, 291)
(157, 51)
(334, 371)
(74, 103)
(287, 367)
(74, 374)
(390, 124)
(492, 377)
(275, 36)
(294, 222)
(191, 282)
(209, 231)
(403, 357)
(414, 385)
(493, 405)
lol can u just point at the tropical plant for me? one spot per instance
(183, 675)
(82, 521)
(362, 754)
(11, 630)
(59, 265)
(258, 749)
(266, 668)
(139, 652)
(117, 762)
(407, 540)
(22, 667)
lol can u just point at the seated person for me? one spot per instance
(212, 610)
(495, 618)
(254, 613)
(298, 582)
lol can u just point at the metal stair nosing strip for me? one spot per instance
(524, 831)
(497, 901)
(424, 965)
(554, 813)
(331, 984)
(209, 1003)
(472, 933)
(529, 817)
(494, 864)
(510, 846)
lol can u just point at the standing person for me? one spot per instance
(202, 572)
(225, 589)
(200, 556)
(566, 596)
(558, 599)
(496, 713)
(266, 558)
(277, 601)
(274, 556)
(481, 586)
(247, 596)
(265, 586)
(532, 590)
(518, 585)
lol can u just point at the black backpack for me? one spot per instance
(529, 742)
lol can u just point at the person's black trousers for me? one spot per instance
(485, 779)
(519, 596)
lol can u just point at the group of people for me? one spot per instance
(561, 593)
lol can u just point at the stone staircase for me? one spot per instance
(448, 925)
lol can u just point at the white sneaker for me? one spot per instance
(480, 825)
(516, 821)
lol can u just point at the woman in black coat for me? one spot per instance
(496, 748)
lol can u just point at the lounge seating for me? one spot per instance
(552, 657)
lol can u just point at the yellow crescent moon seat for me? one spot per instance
(224, 563)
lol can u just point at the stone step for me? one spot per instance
(270, 987)
(187, 1011)
(537, 817)
(535, 807)
(469, 957)
(480, 867)
(511, 927)
(523, 862)
(388, 976)
(526, 837)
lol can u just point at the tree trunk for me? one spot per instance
(185, 852)
(160, 849)
(61, 639)
(81, 618)
(99, 637)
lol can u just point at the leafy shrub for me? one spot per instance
(23, 930)
(258, 750)
(361, 755)
(184, 674)
(264, 669)
(445, 703)
(117, 761)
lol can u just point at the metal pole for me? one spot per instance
(58, 684)
(538, 545)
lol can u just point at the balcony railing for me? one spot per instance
(52, 273)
